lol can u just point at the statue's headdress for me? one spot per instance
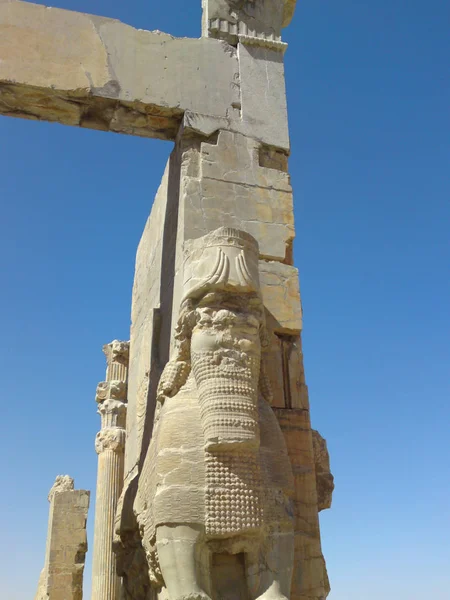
(224, 260)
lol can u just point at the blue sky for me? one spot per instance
(368, 95)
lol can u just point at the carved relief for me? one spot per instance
(249, 21)
(111, 395)
(110, 439)
(217, 477)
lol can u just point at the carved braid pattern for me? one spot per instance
(265, 386)
(174, 376)
(176, 371)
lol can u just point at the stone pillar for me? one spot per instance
(62, 575)
(110, 446)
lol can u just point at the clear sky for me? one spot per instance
(368, 95)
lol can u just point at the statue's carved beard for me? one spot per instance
(227, 384)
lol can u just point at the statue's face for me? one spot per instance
(226, 360)
(229, 323)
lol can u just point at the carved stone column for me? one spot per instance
(110, 446)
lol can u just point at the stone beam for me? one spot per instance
(94, 72)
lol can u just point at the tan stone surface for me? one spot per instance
(286, 373)
(95, 72)
(152, 257)
(62, 576)
(111, 397)
(281, 294)
(197, 164)
(263, 93)
(103, 74)
(63, 483)
(310, 581)
(149, 349)
(227, 186)
(226, 108)
(217, 477)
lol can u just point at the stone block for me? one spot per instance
(106, 75)
(281, 294)
(284, 367)
(145, 323)
(310, 580)
(263, 94)
(227, 186)
(235, 158)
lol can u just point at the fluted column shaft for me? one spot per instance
(110, 447)
(105, 583)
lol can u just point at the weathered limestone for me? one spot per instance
(103, 74)
(62, 576)
(217, 478)
(227, 180)
(211, 182)
(110, 446)
(222, 100)
(310, 579)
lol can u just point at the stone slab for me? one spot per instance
(263, 94)
(281, 294)
(145, 323)
(227, 186)
(80, 69)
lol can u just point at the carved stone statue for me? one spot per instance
(217, 483)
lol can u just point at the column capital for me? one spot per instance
(114, 390)
(117, 351)
(110, 439)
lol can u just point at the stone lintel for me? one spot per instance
(88, 71)
(78, 69)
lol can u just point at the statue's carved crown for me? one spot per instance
(228, 236)
(225, 259)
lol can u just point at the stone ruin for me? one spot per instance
(210, 478)
(62, 575)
